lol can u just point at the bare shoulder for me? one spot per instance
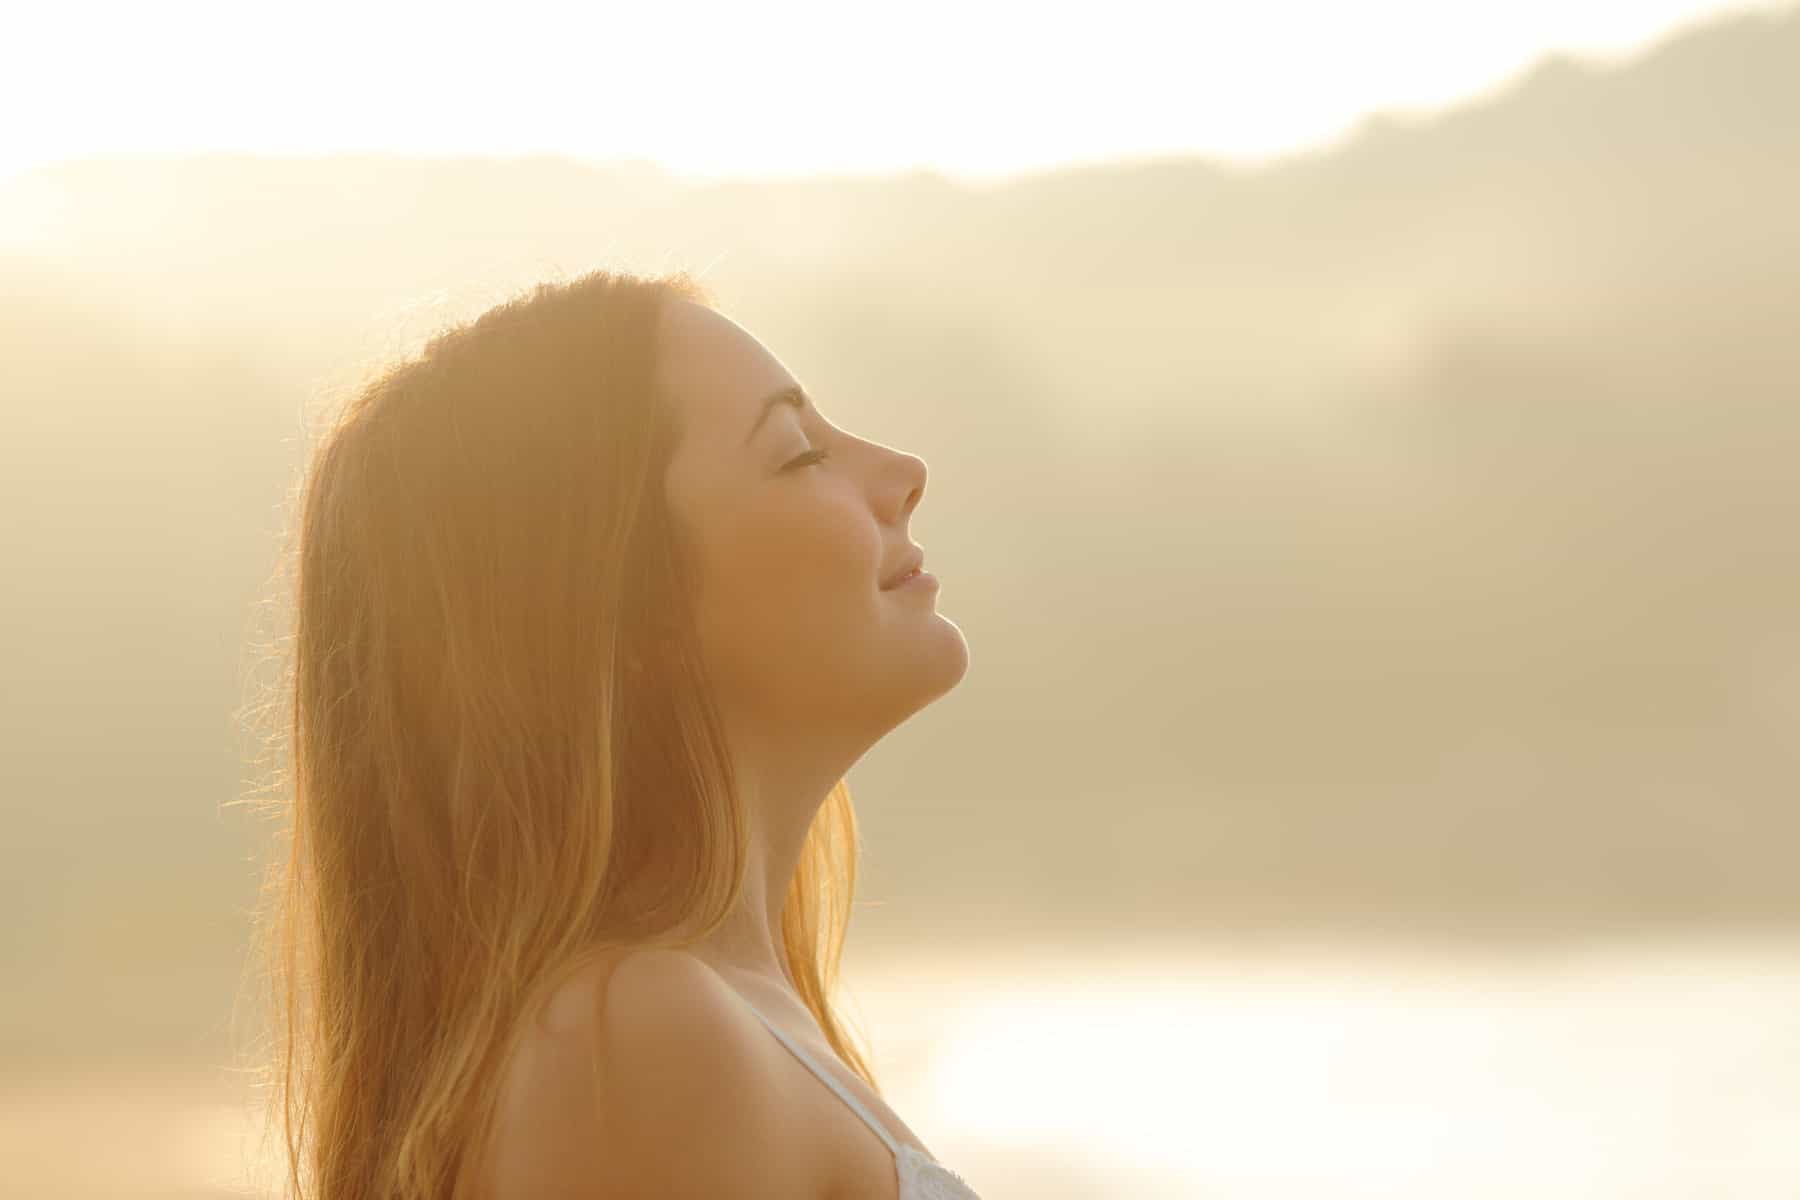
(638, 1079)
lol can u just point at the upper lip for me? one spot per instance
(916, 559)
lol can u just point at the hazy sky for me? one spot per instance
(773, 88)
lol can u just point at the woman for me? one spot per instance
(594, 611)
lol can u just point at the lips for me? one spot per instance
(913, 562)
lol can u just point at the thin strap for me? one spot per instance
(829, 1081)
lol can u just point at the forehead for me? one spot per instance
(715, 373)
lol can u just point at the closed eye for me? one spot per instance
(807, 459)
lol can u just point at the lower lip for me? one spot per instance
(924, 579)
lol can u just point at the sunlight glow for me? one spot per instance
(1602, 1073)
(777, 89)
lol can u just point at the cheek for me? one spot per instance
(813, 541)
(795, 575)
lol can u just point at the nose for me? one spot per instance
(910, 474)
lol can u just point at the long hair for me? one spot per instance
(478, 779)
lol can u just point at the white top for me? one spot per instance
(921, 1176)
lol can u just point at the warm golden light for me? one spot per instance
(1371, 524)
(777, 89)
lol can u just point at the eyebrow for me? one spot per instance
(792, 394)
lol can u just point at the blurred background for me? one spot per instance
(1363, 450)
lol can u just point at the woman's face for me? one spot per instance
(792, 618)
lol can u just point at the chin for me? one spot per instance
(948, 659)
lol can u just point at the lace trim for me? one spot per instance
(925, 1178)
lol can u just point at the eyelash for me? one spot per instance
(807, 459)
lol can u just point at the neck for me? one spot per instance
(781, 795)
(749, 943)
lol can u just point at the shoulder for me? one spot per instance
(638, 1079)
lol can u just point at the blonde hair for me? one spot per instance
(478, 779)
